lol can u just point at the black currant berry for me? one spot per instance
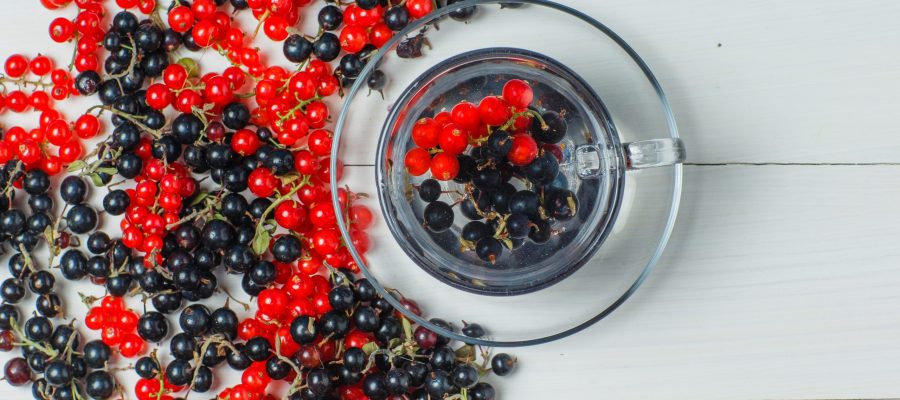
(502, 364)
(438, 216)
(297, 48)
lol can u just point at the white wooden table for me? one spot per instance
(782, 278)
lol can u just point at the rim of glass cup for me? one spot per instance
(395, 302)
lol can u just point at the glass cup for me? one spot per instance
(619, 180)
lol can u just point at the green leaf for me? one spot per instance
(200, 197)
(370, 347)
(108, 170)
(190, 66)
(407, 329)
(261, 241)
(466, 353)
(76, 165)
(96, 179)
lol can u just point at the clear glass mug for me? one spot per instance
(621, 155)
(593, 164)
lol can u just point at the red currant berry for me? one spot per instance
(494, 111)
(466, 115)
(175, 75)
(181, 19)
(353, 38)
(524, 150)
(262, 182)
(453, 139)
(159, 96)
(16, 66)
(245, 142)
(419, 8)
(425, 133)
(518, 93)
(444, 166)
(87, 126)
(41, 65)
(417, 161)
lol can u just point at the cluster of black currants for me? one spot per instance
(206, 335)
(138, 51)
(504, 203)
(65, 369)
(52, 357)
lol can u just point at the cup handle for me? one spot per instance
(654, 153)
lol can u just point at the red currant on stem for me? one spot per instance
(417, 161)
(444, 166)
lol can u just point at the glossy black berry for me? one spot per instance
(366, 319)
(396, 18)
(277, 369)
(146, 367)
(182, 346)
(12, 291)
(524, 202)
(41, 282)
(81, 218)
(327, 47)
(179, 372)
(540, 232)
(218, 234)
(461, 13)
(8, 314)
(502, 364)
(96, 353)
(73, 189)
(556, 128)
(87, 82)
(374, 386)
(330, 17)
(194, 319)
(341, 298)
(73, 264)
(364, 289)
(543, 170)
(224, 321)
(99, 385)
(238, 360)
(355, 359)
(38, 329)
(561, 205)
(116, 202)
(464, 376)
(438, 216)
(334, 323)
(286, 249)
(58, 373)
(437, 383)
(125, 22)
(482, 391)
(36, 182)
(297, 48)
(152, 326)
(235, 115)
(257, 349)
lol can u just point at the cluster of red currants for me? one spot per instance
(265, 215)
(155, 203)
(441, 139)
(31, 146)
(117, 325)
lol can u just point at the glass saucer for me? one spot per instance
(620, 161)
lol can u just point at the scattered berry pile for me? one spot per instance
(505, 154)
(210, 176)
